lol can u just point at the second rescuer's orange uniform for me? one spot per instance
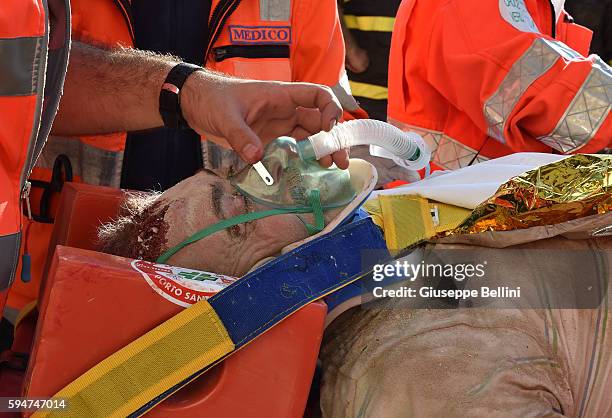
(480, 79)
(33, 62)
(285, 40)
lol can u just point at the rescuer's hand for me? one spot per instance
(357, 59)
(246, 114)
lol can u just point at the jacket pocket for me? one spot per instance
(260, 62)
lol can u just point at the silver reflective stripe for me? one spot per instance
(19, 66)
(535, 62)
(342, 90)
(9, 250)
(446, 152)
(94, 165)
(586, 113)
(275, 10)
(39, 89)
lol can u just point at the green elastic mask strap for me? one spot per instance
(316, 209)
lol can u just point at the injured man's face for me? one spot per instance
(153, 223)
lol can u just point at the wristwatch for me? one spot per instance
(169, 95)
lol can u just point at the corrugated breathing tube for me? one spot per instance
(405, 148)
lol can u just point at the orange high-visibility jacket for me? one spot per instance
(485, 78)
(33, 63)
(63, 158)
(285, 40)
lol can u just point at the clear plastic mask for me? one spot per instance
(294, 180)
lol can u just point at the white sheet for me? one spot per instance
(470, 186)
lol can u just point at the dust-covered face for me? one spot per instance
(205, 199)
(192, 205)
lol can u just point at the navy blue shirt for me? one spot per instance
(160, 158)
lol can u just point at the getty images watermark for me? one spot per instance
(525, 278)
(405, 271)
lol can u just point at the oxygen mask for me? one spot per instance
(283, 180)
(289, 180)
(286, 184)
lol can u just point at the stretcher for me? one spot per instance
(93, 304)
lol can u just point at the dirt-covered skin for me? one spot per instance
(140, 231)
(410, 362)
(394, 362)
(151, 224)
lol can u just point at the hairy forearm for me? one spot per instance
(118, 90)
(111, 91)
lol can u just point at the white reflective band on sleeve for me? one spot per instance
(586, 113)
(515, 12)
(275, 10)
(535, 62)
(342, 90)
(446, 152)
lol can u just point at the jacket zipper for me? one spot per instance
(222, 12)
(251, 51)
(25, 196)
(30, 160)
(26, 260)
